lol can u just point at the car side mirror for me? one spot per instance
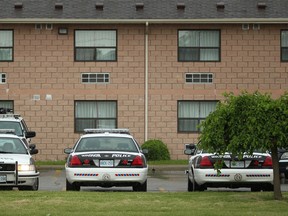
(190, 149)
(145, 151)
(68, 150)
(32, 149)
(30, 134)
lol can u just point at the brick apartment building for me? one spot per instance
(155, 67)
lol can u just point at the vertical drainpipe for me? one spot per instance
(146, 82)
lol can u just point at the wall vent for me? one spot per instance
(36, 97)
(199, 78)
(180, 6)
(59, 6)
(220, 5)
(18, 5)
(256, 26)
(245, 27)
(92, 78)
(261, 5)
(139, 6)
(49, 26)
(99, 6)
(38, 26)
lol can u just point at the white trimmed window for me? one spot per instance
(91, 78)
(198, 45)
(95, 45)
(192, 113)
(2, 78)
(284, 45)
(200, 78)
(6, 45)
(95, 114)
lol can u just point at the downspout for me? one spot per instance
(146, 82)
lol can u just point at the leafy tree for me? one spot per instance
(247, 122)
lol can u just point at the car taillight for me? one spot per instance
(205, 162)
(75, 161)
(267, 162)
(137, 161)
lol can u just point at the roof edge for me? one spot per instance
(150, 21)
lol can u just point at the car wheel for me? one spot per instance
(194, 187)
(190, 185)
(255, 189)
(34, 187)
(72, 187)
(6, 188)
(268, 187)
(140, 187)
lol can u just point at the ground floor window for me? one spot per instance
(6, 105)
(192, 113)
(95, 114)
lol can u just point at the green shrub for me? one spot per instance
(157, 150)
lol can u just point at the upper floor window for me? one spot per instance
(192, 113)
(95, 45)
(198, 45)
(284, 45)
(6, 45)
(95, 114)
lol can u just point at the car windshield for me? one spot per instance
(106, 144)
(12, 125)
(12, 146)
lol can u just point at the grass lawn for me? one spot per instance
(137, 204)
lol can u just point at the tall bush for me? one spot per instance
(157, 150)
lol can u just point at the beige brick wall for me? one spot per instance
(44, 65)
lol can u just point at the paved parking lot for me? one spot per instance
(167, 180)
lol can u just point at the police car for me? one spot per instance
(17, 167)
(106, 158)
(252, 171)
(9, 120)
(283, 161)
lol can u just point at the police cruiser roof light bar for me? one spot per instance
(106, 130)
(7, 131)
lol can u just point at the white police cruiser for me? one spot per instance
(106, 158)
(9, 120)
(17, 167)
(252, 171)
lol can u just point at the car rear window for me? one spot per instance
(106, 144)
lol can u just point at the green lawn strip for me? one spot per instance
(131, 203)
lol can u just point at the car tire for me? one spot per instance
(256, 189)
(268, 187)
(6, 188)
(194, 187)
(286, 175)
(190, 185)
(72, 187)
(34, 187)
(140, 187)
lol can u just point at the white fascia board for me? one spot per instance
(150, 21)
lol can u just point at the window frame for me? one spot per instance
(95, 119)
(10, 101)
(95, 48)
(283, 48)
(12, 47)
(198, 119)
(198, 47)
